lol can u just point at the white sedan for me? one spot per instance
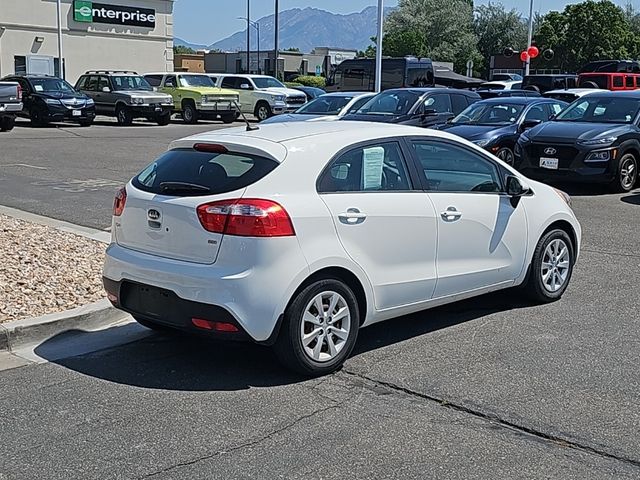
(297, 235)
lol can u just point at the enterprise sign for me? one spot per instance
(91, 12)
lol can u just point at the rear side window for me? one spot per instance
(617, 81)
(153, 80)
(228, 82)
(186, 172)
(630, 83)
(459, 103)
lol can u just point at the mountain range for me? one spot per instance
(304, 29)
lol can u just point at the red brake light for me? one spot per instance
(19, 93)
(246, 217)
(210, 148)
(215, 326)
(119, 201)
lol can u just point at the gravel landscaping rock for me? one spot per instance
(44, 270)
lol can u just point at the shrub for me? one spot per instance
(310, 81)
(292, 84)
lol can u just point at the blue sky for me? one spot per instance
(206, 21)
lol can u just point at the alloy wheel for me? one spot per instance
(325, 326)
(628, 172)
(506, 155)
(263, 113)
(556, 264)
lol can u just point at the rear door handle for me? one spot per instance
(451, 214)
(352, 216)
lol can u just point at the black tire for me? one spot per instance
(506, 155)
(7, 123)
(626, 174)
(289, 347)
(189, 113)
(86, 123)
(124, 116)
(36, 117)
(164, 119)
(230, 118)
(535, 287)
(263, 111)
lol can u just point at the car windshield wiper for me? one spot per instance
(183, 187)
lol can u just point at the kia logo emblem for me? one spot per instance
(550, 151)
(153, 214)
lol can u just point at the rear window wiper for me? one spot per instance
(183, 187)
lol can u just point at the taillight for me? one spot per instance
(119, 201)
(19, 93)
(246, 217)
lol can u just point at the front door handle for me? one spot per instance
(352, 216)
(451, 214)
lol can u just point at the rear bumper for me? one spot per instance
(249, 285)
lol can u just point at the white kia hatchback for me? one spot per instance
(297, 235)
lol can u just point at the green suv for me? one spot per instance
(195, 96)
(126, 96)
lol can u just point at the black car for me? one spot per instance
(423, 107)
(544, 83)
(51, 99)
(496, 124)
(311, 92)
(596, 139)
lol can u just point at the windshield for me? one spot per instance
(325, 105)
(398, 102)
(267, 82)
(598, 109)
(489, 114)
(51, 85)
(196, 81)
(130, 82)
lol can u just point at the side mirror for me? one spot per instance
(515, 187)
(429, 112)
(155, 89)
(106, 89)
(527, 124)
(245, 86)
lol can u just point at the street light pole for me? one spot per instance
(379, 46)
(277, 39)
(257, 25)
(60, 55)
(248, 36)
(530, 37)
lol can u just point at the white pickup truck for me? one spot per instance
(261, 95)
(10, 104)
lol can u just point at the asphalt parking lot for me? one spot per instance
(487, 388)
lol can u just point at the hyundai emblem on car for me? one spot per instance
(153, 214)
(550, 151)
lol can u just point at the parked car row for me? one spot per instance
(127, 96)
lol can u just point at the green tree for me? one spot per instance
(181, 49)
(497, 29)
(439, 29)
(292, 49)
(370, 51)
(587, 31)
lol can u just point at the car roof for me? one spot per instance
(276, 139)
(515, 100)
(348, 94)
(574, 90)
(423, 90)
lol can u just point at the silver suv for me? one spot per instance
(125, 95)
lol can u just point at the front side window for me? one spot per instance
(537, 112)
(82, 83)
(170, 81)
(379, 167)
(482, 113)
(325, 105)
(607, 109)
(195, 81)
(450, 168)
(357, 105)
(103, 83)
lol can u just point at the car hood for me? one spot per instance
(143, 93)
(298, 117)
(289, 92)
(62, 95)
(479, 132)
(565, 132)
(209, 91)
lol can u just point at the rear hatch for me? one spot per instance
(160, 214)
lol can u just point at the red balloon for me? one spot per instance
(524, 56)
(533, 51)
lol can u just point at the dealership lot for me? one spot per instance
(490, 387)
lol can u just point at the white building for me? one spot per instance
(113, 34)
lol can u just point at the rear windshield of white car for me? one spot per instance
(187, 172)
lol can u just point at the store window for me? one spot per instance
(20, 65)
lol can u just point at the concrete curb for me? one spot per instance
(30, 331)
(90, 233)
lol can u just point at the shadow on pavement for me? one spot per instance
(633, 199)
(186, 363)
